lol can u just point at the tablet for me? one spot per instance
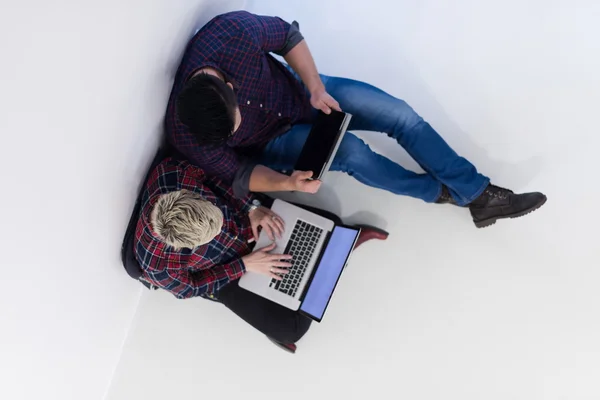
(323, 142)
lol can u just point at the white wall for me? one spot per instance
(83, 89)
(442, 310)
(459, 313)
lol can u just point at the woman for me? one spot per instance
(194, 238)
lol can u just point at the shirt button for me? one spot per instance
(248, 102)
(279, 114)
(261, 106)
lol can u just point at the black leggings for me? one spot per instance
(275, 321)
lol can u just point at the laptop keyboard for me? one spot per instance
(301, 246)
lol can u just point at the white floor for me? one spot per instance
(441, 310)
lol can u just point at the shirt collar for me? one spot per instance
(227, 77)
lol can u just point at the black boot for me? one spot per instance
(496, 203)
(445, 197)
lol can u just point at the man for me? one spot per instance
(243, 116)
(194, 239)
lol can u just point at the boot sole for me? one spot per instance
(491, 221)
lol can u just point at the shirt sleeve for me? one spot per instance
(226, 192)
(188, 282)
(241, 181)
(229, 177)
(293, 38)
(220, 162)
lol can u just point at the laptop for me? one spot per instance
(323, 142)
(320, 249)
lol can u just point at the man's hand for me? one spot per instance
(270, 222)
(300, 181)
(321, 100)
(264, 179)
(271, 265)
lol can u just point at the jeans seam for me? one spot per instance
(485, 184)
(420, 162)
(462, 201)
(426, 169)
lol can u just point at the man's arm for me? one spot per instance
(251, 177)
(272, 34)
(300, 59)
(264, 179)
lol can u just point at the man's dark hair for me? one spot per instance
(206, 105)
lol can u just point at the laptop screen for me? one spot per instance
(328, 271)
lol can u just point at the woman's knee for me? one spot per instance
(302, 326)
(293, 332)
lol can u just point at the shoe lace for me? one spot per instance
(498, 192)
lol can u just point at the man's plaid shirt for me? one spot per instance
(271, 100)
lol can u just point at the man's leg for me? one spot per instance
(275, 321)
(356, 159)
(282, 152)
(375, 110)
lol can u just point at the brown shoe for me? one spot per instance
(288, 347)
(370, 233)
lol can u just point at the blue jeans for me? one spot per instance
(375, 110)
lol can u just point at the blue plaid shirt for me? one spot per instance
(204, 270)
(271, 100)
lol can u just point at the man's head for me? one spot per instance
(208, 107)
(183, 219)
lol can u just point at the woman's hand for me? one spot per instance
(271, 265)
(270, 222)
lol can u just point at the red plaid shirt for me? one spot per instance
(204, 270)
(270, 98)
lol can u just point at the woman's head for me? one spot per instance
(184, 219)
(208, 107)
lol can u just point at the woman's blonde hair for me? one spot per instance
(184, 219)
